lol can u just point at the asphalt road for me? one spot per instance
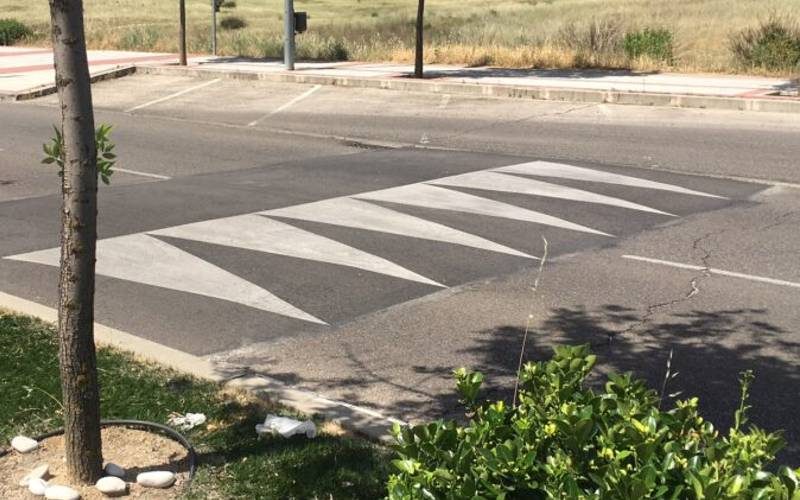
(362, 243)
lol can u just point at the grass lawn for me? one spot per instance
(234, 462)
(512, 33)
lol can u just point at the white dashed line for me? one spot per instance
(143, 174)
(712, 270)
(287, 105)
(172, 96)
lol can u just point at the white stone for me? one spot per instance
(115, 470)
(58, 492)
(38, 473)
(156, 479)
(37, 486)
(24, 444)
(111, 485)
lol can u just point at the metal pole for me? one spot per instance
(182, 33)
(214, 27)
(288, 35)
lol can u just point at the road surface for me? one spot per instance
(363, 243)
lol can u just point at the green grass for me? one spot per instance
(512, 33)
(234, 462)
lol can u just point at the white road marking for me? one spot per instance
(144, 259)
(287, 105)
(361, 409)
(445, 101)
(496, 181)
(712, 270)
(143, 174)
(559, 170)
(172, 96)
(259, 233)
(424, 195)
(349, 212)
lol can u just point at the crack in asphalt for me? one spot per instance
(694, 285)
(781, 219)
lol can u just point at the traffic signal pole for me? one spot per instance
(288, 35)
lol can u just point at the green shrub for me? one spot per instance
(773, 45)
(228, 4)
(232, 23)
(564, 440)
(655, 44)
(11, 31)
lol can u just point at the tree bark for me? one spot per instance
(418, 56)
(77, 358)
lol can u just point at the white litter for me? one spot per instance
(286, 427)
(186, 422)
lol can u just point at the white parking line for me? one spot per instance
(287, 105)
(172, 96)
(712, 270)
(143, 174)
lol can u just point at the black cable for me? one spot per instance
(163, 429)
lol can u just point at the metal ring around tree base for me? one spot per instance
(160, 428)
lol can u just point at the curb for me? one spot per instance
(364, 421)
(763, 104)
(44, 90)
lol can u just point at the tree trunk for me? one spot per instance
(418, 72)
(78, 237)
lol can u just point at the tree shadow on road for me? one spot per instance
(709, 350)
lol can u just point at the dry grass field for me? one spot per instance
(518, 33)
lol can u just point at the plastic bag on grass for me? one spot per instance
(286, 427)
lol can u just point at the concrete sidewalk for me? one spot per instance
(27, 73)
(619, 80)
(586, 86)
(25, 70)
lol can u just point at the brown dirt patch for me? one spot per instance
(135, 450)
